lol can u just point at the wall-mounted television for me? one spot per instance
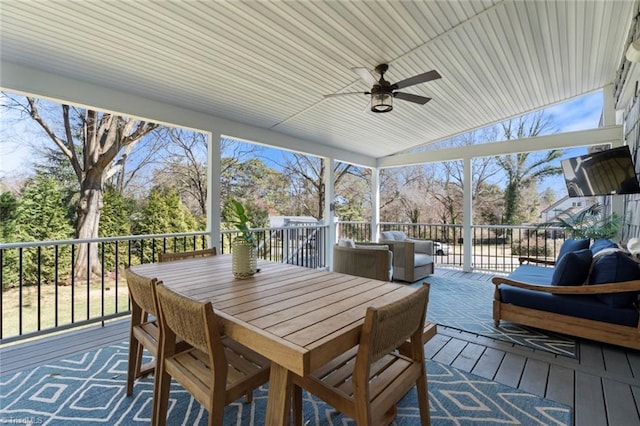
(605, 172)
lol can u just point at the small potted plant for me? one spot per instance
(244, 248)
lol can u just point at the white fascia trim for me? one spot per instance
(34, 82)
(602, 135)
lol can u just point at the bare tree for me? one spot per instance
(185, 168)
(449, 193)
(400, 192)
(527, 168)
(90, 140)
(307, 172)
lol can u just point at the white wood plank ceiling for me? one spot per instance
(268, 63)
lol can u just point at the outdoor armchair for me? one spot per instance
(369, 260)
(412, 258)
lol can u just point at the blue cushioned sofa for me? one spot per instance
(590, 291)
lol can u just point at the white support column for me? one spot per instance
(375, 204)
(608, 107)
(467, 222)
(609, 119)
(329, 210)
(214, 170)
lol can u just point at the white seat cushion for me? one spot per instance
(346, 242)
(393, 235)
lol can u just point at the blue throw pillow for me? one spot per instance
(572, 245)
(601, 244)
(614, 268)
(572, 268)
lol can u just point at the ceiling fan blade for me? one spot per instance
(412, 98)
(347, 93)
(366, 76)
(417, 79)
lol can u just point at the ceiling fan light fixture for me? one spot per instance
(381, 102)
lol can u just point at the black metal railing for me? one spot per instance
(494, 247)
(43, 292)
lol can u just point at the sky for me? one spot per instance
(17, 137)
(578, 114)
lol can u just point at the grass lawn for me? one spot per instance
(71, 304)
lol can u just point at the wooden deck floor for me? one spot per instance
(602, 385)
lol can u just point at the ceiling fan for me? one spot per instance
(382, 92)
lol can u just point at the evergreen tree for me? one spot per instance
(41, 215)
(8, 214)
(164, 213)
(115, 220)
(55, 165)
(116, 214)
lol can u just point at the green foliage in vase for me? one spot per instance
(238, 217)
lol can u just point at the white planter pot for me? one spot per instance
(244, 259)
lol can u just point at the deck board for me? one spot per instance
(589, 401)
(488, 364)
(535, 377)
(591, 355)
(469, 357)
(602, 385)
(634, 362)
(560, 384)
(616, 362)
(450, 351)
(620, 404)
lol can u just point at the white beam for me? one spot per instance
(214, 170)
(329, 209)
(467, 220)
(616, 202)
(375, 204)
(609, 134)
(29, 81)
(608, 107)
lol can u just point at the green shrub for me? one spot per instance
(532, 247)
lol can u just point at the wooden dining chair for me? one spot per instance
(169, 257)
(366, 382)
(216, 370)
(143, 332)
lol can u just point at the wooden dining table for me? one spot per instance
(299, 318)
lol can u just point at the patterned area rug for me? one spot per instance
(90, 389)
(468, 305)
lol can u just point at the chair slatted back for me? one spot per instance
(215, 371)
(169, 257)
(388, 327)
(186, 317)
(141, 291)
(367, 381)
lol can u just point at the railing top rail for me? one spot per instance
(99, 240)
(29, 244)
(457, 225)
(280, 228)
(529, 227)
(420, 224)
